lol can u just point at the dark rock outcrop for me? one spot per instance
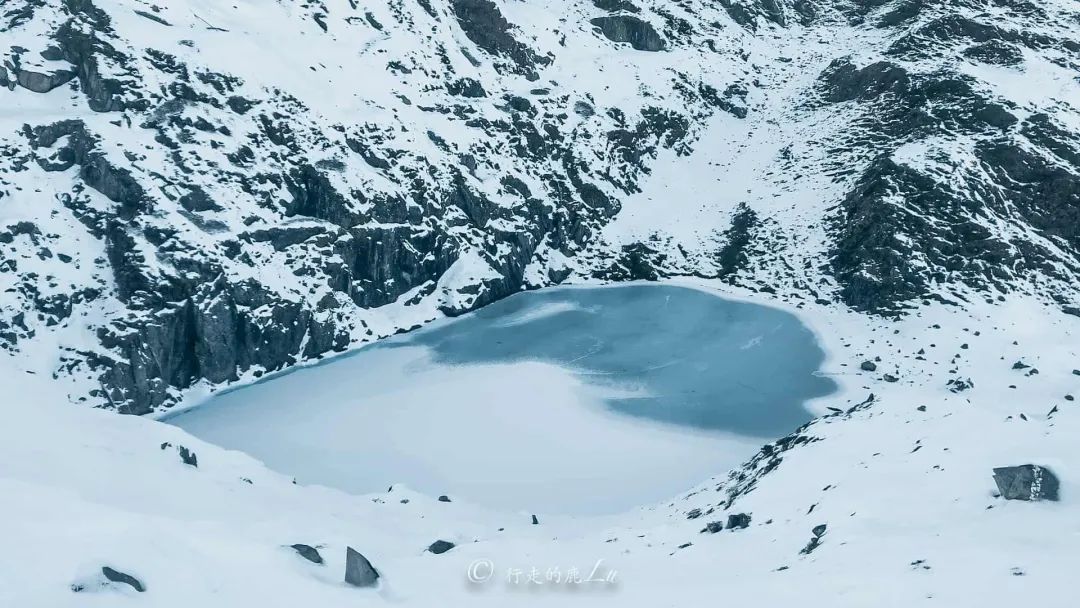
(628, 28)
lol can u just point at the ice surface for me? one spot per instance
(569, 400)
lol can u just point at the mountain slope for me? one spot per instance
(197, 193)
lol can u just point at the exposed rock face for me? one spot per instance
(627, 28)
(485, 25)
(358, 570)
(1026, 482)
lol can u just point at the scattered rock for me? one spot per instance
(444, 498)
(957, 385)
(868, 366)
(890, 378)
(121, 577)
(358, 570)
(440, 546)
(713, 527)
(819, 530)
(1020, 365)
(308, 552)
(1026, 482)
(535, 521)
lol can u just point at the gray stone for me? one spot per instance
(1026, 482)
(440, 546)
(308, 552)
(120, 577)
(358, 570)
(868, 366)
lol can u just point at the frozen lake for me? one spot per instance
(573, 400)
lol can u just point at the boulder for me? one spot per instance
(440, 546)
(868, 366)
(120, 577)
(1026, 482)
(358, 570)
(737, 521)
(308, 552)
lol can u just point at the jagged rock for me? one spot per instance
(819, 530)
(1026, 482)
(120, 577)
(1020, 365)
(308, 552)
(713, 527)
(440, 546)
(186, 456)
(484, 24)
(738, 521)
(535, 521)
(627, 28)
(358, 570)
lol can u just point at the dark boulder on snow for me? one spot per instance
(737, 521)
(121, 577)
(819, 530)
(444, 498)
(308, 552)
(358, 570)
(868, 366)
(440, 546)
(713, 527)
(1026, 482)
(535, 521)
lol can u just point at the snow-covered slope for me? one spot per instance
(900, 475)
(197, 193)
